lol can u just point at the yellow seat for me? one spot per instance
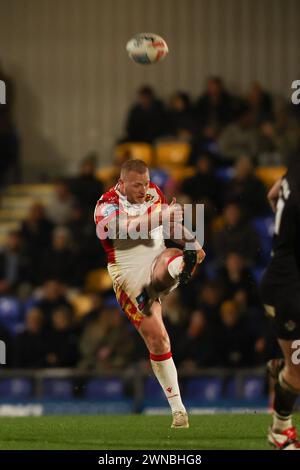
(137, 150)
(270, 174)
(170, 154)
(98, 280)
(108, 174)
(82, 304)
(180, 173)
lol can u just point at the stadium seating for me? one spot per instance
(15, 388)
(264, 228)
(57, 388)
(170, 154)
(270, 174)
(139, 150)
(98, 280)
(206, 388)
(11, 314)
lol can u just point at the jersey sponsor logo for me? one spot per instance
(109, 209)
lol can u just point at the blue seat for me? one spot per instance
(11, 314)
(15, 388)
(159, 177)
(225, 173)
(104, 389)
(257, 273)
(264, 227)
(57, 388)
(206, 388)
(253, 388)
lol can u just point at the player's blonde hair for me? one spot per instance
(133, 165)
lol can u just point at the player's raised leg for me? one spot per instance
(282, 434)
(153, 331)
(173, 266)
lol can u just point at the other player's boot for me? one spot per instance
(180, 420)
(284, 440)
(189, 265)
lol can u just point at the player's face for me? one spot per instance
(135, 186)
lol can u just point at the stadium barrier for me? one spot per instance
(73, 391)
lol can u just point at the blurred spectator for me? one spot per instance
(146, 119)
(237, 235)
(260, 103)
(236, 276)
(234, 346)
(87, 246)
(61, 261)
(51, 297)
(209, 299)
(179, 116)
(215, 107)
(14, 264)
(205, 187)
(36, 231)
(9, 139)
(62, 348)
(246, 189)
(59, 209)
(240, 137)
(31, 345)
(86, 187)
(106, 343)
(194, 347)
(281, 136)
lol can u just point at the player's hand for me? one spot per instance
(175, 211)
(200, 252)
(200, 255)
(273, 194)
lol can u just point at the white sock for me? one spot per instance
(174, 266)
(281, 423)
(165, 371)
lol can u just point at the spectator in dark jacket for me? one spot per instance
(31, 345)
(146, 118)
(246, 189)
(237, 235)
(180, 118)
(62, 344)
(14, 264)
(215, 106)
(86, 187)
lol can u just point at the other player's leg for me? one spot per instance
(282, 433)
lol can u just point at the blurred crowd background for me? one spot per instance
(57, 307)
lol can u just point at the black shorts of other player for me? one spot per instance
(282, 305)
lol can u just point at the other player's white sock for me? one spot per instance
(165, 371)
(281, 423)
(174, 266)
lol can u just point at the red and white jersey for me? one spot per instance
(127, 257)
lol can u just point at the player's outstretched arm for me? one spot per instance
(273, 194)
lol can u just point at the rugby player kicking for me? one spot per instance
(143, 269)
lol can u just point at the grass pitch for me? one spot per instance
(223, 431)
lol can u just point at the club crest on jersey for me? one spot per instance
(149, 197)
